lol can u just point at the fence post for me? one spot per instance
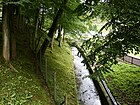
(65, 99)
(55, 86)
(46, 69)
(40, 60)
(132, 60)
(123, 58)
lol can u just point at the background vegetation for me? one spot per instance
(124, 83)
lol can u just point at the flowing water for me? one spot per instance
(87, 93)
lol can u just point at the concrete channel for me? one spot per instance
(90, 91)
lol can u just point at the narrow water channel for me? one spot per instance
(87, 93)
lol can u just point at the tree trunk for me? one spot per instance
(10, 27)
(13, 46)
(63, 35)
(59, 35)
(51, 44)
(13, 28)
(35, 36)
(6, 33)
(53, 28)
(42, 18)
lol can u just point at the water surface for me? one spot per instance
(87, 93)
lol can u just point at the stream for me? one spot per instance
(87, 93)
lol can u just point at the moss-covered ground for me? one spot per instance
(124, 83)
(60, 61)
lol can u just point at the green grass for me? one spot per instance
(24, 87)
(59, 60)
(21, 88)
(124, 83)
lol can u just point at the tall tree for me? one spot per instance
(13, 23)
(6, 32)
(53, 27)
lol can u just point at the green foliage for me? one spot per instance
(123, 19)
(124, 82)
(86, 8)
(69, 21)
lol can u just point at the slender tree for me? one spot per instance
(59, 37)
(6, 32)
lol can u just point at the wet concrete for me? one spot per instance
(87, 93)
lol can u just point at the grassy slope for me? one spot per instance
(59, 60)
(22, 88)
(124, 82)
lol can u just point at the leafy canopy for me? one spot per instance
(123, 17)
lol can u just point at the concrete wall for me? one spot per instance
(132, 59)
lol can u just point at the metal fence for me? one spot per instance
(132, 59)
(0, 19)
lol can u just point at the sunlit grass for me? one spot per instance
(124, 83)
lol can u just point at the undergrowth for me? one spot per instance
(22, 87)
(124, 82)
